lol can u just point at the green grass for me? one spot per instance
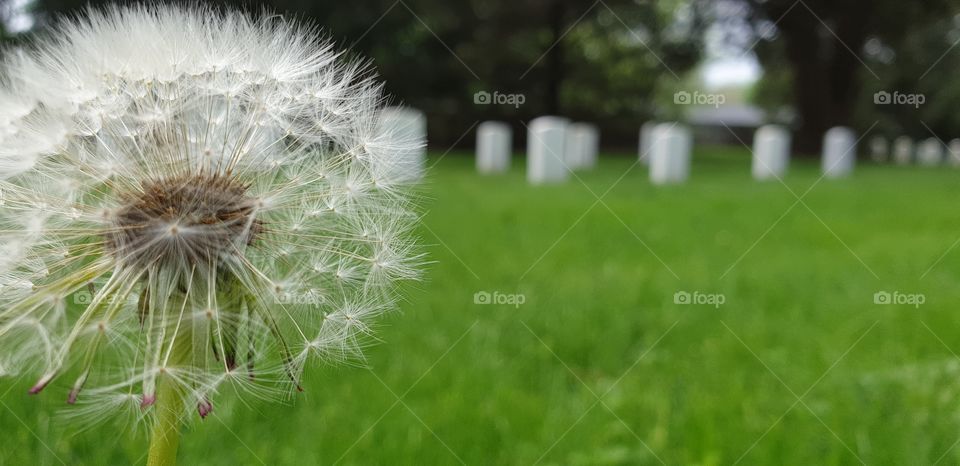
(685, 384)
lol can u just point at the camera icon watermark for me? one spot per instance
(898, 98)
(496, 98)
(704, 299)
(82, 298)
(699, 98)
(501, 299)
(910, 299)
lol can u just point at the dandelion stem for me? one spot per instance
(166, 434)
(169, 407)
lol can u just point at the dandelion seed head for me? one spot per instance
(193, 196)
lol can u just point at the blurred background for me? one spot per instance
(606, 320)
(812, 64)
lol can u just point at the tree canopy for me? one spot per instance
(839, 53)
(600, 62)
(609, 61)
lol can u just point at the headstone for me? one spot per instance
(955, 152)
(879, 150)
(583, 140)
(646, 141)
(670, 153)
(771, 152)
(930, 152)
(407, 127)
(839, 152)
(546, 142)
(493, 147)
(902, 150)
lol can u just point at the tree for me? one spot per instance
(919, 66)
(823, 44)
(594, 61)
(4, 16)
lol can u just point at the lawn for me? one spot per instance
(599, 365)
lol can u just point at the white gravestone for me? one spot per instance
(583, 140)
(902, 150)
(771, 152)
(879, 150)
(546, 145)
(408, 128)
(646, 141)
(930, 152)
(493, 147)
(839, 152)
(955, 152)
(670, 153)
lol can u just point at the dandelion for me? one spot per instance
(191, 200)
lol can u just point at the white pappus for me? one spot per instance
(195, 196)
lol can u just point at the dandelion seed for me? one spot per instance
(167, 176)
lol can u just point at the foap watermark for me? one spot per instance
(300, 298)
(699, 98)
(86, 297)
(896, 297)
(899, 98)
(498, 298)
(497, 98)
(710, 299)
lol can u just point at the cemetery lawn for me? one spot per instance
(598, 365)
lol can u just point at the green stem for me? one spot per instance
(165, 437)
(169, 405)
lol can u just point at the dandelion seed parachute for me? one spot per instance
(196, 196)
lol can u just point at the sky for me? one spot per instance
(19, 19)
(729, 60)
(730, 71)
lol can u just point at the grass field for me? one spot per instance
(599, 365)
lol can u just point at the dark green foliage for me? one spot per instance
(593, 61)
